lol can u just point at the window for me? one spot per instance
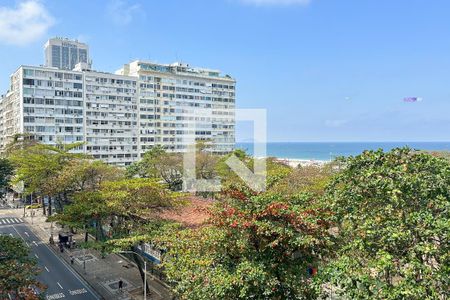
(28, 72)
(27, 81)
(28, 91)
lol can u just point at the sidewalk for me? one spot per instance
(102, 274)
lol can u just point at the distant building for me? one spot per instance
(65, 54)
(120, 116)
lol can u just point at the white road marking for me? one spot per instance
(7, 220)
(47, 269)
(59, 285)
(73, 272)
(55, 296)
(34, 242)
(61, 295)
(1, 221)
(20, 235)
(17, 220)
(26, 233)
(36, 256)
(77, 292)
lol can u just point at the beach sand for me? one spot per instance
(302, 162)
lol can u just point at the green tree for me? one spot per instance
(6, 171)
(234, 186)
(37, 166)
(83, 175)
(87, 212)
(312, 179)
(128, 207)
(17, 270)
(255, 248)
(159, 164)
(393, 215)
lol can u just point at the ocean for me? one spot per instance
(329, 150)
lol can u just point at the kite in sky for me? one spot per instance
(412, 99)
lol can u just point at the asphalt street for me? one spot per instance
(61, 280)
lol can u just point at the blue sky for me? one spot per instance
(325, 70)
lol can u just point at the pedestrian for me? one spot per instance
(120, 285)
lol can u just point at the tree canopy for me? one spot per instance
(392, 211)
(159, 164)
(6, 171)
(17, 270)
(373, 226)
(260, 248)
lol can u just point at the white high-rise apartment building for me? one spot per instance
(120, 116)
(178, 103)
(65, 54)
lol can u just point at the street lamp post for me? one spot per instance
(23, 202)
(84, 260)
(145, 269)
(32, 209)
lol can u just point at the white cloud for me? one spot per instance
(24, 24)
(276, 2)
(121, 12)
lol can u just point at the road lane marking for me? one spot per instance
(55, 296)
(59, 285)
(77, 292)
(17, 220)
(36, 256)
(80, 279)
(7, 220)
(47, 269)
(34, 242)
(26, 233)
(20, 235)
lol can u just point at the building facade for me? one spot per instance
(65, 54)
(179, 104)
(119, 117)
